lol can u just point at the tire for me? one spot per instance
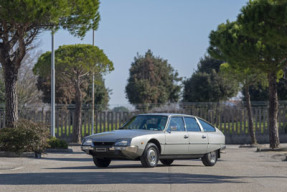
(209, 159)
(166, 162)
(150, 156)
(101, 162)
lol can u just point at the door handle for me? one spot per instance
(186, 136)
(203, 137)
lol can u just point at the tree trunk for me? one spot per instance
(78, 113)
(11, 105)
(273, 111)
(250, 117)
(11, 55)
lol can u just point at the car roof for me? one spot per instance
(168, 114)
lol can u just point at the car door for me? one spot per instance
(176, 137)
(198, 140)
(211, 134)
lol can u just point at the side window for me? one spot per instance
(176, 124)
(191, 124)
(206, 126)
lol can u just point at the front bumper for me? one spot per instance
(112, 152)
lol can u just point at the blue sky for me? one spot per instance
(174, 30)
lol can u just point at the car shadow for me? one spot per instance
(176, 163)
(66, 159)
(140, 166)
(83, 178)
(125, 166)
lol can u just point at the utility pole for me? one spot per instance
(53, 88)
(93, 92)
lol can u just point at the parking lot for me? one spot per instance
(239, 169)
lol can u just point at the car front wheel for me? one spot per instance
(101, 162)
(209, 159)
(150, 156)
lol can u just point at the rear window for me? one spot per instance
(206, 126)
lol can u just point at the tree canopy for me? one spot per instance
(207, 64)
(73, 64)
(265, 20)
(207, 85)
(31, 16)
(260, 92)
(74, 61)
(152, 81)
(65, 91)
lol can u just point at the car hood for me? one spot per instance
(112, 136)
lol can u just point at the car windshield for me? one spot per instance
(146, 122)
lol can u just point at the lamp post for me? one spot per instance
(53, 88)
(93, 92)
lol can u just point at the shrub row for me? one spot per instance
(28, 136)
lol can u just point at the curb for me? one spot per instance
(249, 146)
(269, 149)
(59, 150)
(32, 154)
(74, 144)
(13, 154)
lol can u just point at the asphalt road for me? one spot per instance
(239, 169)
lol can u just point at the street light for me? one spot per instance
(53, 88)
(93, 92)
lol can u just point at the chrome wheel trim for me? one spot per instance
(212, 157)
(152, 157)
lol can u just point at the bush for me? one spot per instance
(26, 136)
(56, 143)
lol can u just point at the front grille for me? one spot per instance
(104, 143)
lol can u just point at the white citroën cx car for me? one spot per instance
(157, 136)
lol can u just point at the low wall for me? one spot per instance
(245, 139)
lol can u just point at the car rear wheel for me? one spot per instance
(150, 156)
(101, 162)
(166, 162)
(209, 159)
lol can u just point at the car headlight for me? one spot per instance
(88, 142)
(123, 142)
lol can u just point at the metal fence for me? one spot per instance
(230, 119)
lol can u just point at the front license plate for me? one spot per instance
(101, 149)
